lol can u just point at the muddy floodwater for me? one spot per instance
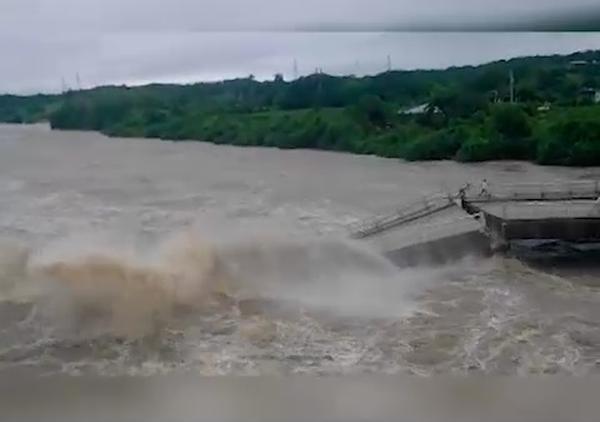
(132, 256)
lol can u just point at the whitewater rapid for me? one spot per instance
(125, 256)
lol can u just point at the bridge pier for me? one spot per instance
(441, 251)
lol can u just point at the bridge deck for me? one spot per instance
(496, 195)
(450, 222)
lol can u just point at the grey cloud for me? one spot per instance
(198, 15)
(136, 58)
(127, 41)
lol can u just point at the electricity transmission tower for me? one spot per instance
(295, 69)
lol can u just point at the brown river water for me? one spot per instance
(133, 256)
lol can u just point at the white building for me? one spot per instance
(420, 109)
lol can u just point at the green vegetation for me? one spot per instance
(465, 114)
(15, 109)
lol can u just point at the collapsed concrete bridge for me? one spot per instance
(507, 218)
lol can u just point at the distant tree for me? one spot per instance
(357, 113)
(433, 118)
(456, 104)
(511, 121)
(373, 109)
(491, 79)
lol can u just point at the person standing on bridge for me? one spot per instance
(484, 188)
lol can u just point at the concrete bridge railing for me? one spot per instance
(402, 215)
(554, 191)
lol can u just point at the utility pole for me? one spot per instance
(64, 87)
(389, 63)
(295, 69)
(511, 77)
(319, 99)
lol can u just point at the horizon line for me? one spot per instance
(142, 84)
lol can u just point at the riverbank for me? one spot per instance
(549, 116)
(565, 136)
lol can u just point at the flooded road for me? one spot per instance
(142, 257)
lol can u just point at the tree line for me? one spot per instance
(465, 113)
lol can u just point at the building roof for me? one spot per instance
(420, 109)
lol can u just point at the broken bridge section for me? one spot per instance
(448, 226)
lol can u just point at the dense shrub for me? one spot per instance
(467, 112)
(435, 146)
(510, 121)
(572, 140)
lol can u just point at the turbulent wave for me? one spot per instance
(275, 305)
(132, 293)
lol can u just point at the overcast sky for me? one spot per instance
(139, 41)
